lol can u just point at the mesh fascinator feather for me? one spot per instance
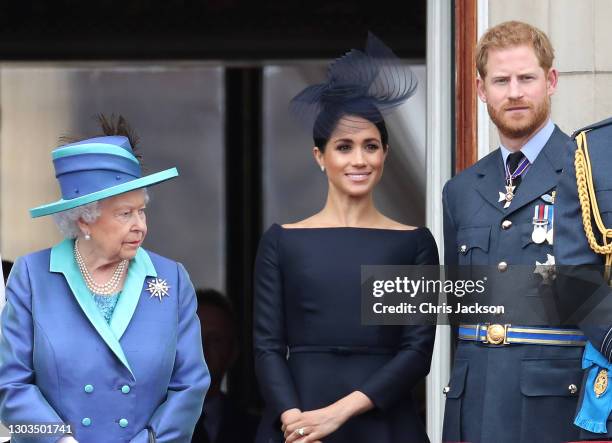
(366, 84)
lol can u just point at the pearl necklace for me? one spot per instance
(108, 288)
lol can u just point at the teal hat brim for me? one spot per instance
(142, 182)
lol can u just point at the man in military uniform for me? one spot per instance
(583, 238)
(498, 213)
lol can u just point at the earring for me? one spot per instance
(322, 168)
(87, 237)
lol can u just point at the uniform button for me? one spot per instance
(506, 224)
(463, 249)
(123, 423)
(446, 390)
(572, 389)
(86, 421)
(502, 266)
(125, 389)
(88, 388)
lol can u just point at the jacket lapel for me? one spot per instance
(543, 175)
(491, 179)
(140, 267)
(62, 261)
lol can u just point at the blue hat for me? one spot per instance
(97, 168)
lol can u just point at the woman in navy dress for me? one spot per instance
(325, 376)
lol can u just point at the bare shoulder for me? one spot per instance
(319, 221)
(389, 223)
(310, 222)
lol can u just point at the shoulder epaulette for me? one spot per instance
(590, 127)
(588, 202)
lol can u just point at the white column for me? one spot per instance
(439, 81)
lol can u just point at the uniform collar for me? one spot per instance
(62, 261)
(534, 145)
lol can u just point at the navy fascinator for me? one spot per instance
(366, 84)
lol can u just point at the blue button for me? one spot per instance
(125, 389)
(88, 388)
(86, 421)
(123, 423)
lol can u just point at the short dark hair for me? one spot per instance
(328, 119)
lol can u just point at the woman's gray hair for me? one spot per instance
(67, 221)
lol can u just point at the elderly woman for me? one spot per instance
(100, 340)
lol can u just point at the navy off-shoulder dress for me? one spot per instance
(310, 346)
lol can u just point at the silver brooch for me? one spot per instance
(158, 288)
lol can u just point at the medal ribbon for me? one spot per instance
(540, 214)
(543, 214)
(551, 215)
(520, 169)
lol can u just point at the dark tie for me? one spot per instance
(513, 161)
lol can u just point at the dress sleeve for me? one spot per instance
(175, 419)
(394, 381)
(20, 399)
(270, 341)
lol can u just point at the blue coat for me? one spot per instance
(60, 362)
(515, 393)
(572, 247)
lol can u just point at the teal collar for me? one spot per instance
(62, 261)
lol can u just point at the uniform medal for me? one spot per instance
(538, 235)
(547, 198)
(601, 383)
(550, 199)
(508, 195)
(549, 236)
(540, 222)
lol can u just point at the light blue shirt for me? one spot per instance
(534, 145)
